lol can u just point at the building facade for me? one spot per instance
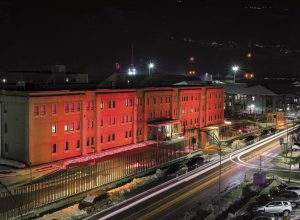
(45, 126)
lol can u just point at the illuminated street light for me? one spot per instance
(150, 66)
(4, 80)
(131, 71)
(235, 69)
(249, 55)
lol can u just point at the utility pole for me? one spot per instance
(220, 173)
(214, 137)
(260, 163)
(291, 154)
(30, 171)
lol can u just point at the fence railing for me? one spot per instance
(65, 183)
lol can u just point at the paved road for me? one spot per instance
(173, 203)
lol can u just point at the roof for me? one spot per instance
(284, 88)
(196, 82)
(244, 89)
(164, 122)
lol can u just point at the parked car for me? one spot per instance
(265, 216)
(194, 163)
(277, 189)
(291, 196)
(285, 196)
(99, 198)
(295, 147)
(276, 207)
(293, 188)
(177, 170)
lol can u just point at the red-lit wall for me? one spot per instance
(113, 118)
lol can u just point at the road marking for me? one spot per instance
(208, 167)
(186, 194)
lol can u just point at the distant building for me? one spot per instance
(56, 74)
(244, 99)
(43, 126)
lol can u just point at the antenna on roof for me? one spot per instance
(132, 56)
(132, 70)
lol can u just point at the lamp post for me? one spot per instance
(216, 139)
(150, 67)
(235, 69)
(291, 154)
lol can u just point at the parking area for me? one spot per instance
(295, 214)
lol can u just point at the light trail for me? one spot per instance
(138, 199)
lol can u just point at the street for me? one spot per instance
(199, 191)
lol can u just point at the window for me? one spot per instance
(66, 146)
(66, 127)
(131, 102)
(108, 138)
(72, 107)
(5, 128)
(5, 148)
(67, 108)
(71, 126)
(53, 148)
(126, 102)
(77, 106)
(130, 133)
(43, 109)
(77, 125)
(101, 122)
(53, 129)
(78, 144)
(53, 109)
(36, 110)
(91, 105)
(90, 123)
(109, 104)
(114, 104)
(154, 100)
(101, 139)
(92, 140)
(126, 134)
(113, 137)
(88, 141)
(253, 98)
(4, 107)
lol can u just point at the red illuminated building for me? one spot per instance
(46, 126)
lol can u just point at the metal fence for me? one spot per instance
(22, 200)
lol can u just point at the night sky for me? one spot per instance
(91, 36)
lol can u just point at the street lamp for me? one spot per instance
(235, 69)
(150, 66)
